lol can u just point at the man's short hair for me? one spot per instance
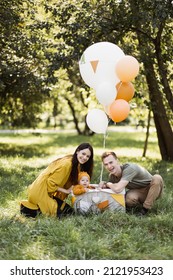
(106, 154)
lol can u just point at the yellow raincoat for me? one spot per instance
(42, 190)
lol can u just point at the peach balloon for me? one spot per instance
(125, 91)
(127, 68)
(119, 110)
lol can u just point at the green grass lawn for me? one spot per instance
(105, 236)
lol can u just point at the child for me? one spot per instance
(83, 184)
(90, 198)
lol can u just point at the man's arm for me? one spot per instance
(117, 187)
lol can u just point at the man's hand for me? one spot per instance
(102, 185)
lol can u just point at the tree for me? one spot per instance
(77, 95)
(153, 34)
(31, 54)
(142, 29)
(23, 69)
(54, 34)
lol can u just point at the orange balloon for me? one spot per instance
(125, 91)
(127, 68)
(119, 110)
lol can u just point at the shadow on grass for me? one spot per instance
(19, 238)
(18, 235)
(41, 144)
(28, 151)
(16, 180)
(114, 236)
(27, 146)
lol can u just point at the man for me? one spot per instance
(143, 188)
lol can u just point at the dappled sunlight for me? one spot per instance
(26, 139)
(70, 238)
(24, 156)
(127, 153)
(17, 163)
(37, 248)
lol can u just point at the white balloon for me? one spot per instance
(97, 121)
(98, 63)
(106, 93)
(104, 50)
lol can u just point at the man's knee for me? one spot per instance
(131, 199)
(157, 181)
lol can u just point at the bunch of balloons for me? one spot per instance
(105, 68)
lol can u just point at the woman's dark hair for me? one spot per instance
(87, 166)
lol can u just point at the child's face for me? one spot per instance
(84, 181)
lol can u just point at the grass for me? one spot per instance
(106, 236)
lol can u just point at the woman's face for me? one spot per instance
(83, 155)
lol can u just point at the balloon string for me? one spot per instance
(102, 166)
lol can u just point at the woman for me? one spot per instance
(47, 193)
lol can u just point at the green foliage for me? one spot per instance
(23, 67)
(114, 235)
(142, 32)
(42, 42)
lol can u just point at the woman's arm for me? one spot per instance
(67, 191)
(59, 177)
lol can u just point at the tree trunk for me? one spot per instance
(162, 68)
(75, 119)
(163, 127)
(150, 51)
(147, 134)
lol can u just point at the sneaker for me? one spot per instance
(143, 212)
(128, 209)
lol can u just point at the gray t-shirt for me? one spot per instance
(137, 176)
